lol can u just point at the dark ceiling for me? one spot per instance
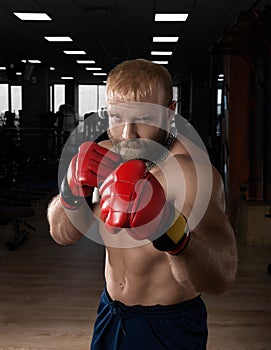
(110, 31)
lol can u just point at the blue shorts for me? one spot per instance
(180, 326)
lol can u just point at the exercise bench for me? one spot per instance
(16, 215)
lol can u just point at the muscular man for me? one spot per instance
(161, 217)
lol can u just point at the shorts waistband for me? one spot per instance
(158, 310)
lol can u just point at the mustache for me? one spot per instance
(132, 143)
(146, 147)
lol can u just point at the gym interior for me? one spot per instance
(220, 61)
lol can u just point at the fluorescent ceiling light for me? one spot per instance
(66, 78)
(160, 62)
(74, 52)
(165, 39)
(32, 16)
(31, 61)
(2, 68)
(221, 76)
(161, 53)
(170, 17)
(18, 73)
(99, 74)
(85, 61)
(58, 38)
(93, 68)
(52, 68)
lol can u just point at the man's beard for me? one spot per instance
(146, 149)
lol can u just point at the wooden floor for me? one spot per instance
(49, 295)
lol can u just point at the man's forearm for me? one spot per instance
(61, 228)
(210, 262)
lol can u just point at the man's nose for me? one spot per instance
(129, 131)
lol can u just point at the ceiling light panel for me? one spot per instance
(74, 52)
(85, 61)
(160, 62)
(170, 17)
(31, 61)
(58, 38)
(161, 53)
(32, 16)
(93, 68)
(165, 39)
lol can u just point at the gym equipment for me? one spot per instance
(15, 214)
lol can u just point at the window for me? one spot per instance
(51, 98)
(16, 98)
(10, 99)
(102, 97)
(3, 99)
(91, 98)
(58, 96)
(175, 93)
(87, 101)
(219, 100)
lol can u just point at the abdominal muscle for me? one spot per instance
(143, 276)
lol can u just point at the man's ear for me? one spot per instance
(172, 105)
(171, 111)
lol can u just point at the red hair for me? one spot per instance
(139, 80)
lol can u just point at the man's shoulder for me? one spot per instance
(189, 153)
(105, 143)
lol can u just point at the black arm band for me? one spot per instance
(68, 199)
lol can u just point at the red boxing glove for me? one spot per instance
(88, 169)
(132, 197)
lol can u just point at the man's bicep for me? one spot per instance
(218, 191)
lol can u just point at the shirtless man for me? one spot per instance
(170, 249)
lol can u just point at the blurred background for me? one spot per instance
(54, 60)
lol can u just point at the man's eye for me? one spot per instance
(116, 118)
(143, 119)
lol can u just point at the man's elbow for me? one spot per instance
(57, 237)
(224, 286)
(223, 283)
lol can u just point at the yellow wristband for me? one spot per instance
(175, 237)
(178, 228)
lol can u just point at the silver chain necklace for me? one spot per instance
(167, 147)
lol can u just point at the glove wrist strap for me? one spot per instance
(67, 198)
(182, 245)
(176, 239)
